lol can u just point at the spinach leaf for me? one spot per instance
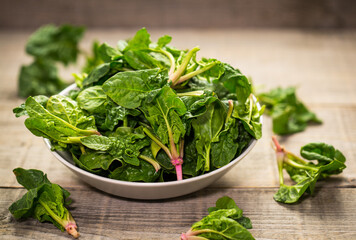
(126, 147)
(39, 78)
(62, 122)
(235, 82)
(304, 173)
(44, 200)
(289, 114)
(164, 115)
(206, 130)
(56, 43)
(92, 99)
(221, 223)
(250, 116)
(128, 89)
(144, 172)
(21, 110)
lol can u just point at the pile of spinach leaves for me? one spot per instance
(225, 221)
(289, 114)
(44, 201)
(323, 161)
(149, 112)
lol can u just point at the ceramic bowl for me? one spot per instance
(142, 190)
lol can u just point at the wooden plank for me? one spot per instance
(328, 215)
(179, 14)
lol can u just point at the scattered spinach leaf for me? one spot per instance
(44, 201)
(306, 173)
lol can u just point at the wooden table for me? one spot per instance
(321, 64)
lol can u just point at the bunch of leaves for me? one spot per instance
(289, 114)
(48, 46)
(320, 161)
(44, 201)
(145, 105)
(225, 221)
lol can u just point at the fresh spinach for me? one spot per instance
(225, 221)
(329, 161)
(146, 111)
(44, 201)
(289, 114)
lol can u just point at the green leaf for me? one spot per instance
(108, 53)
(128, 89)
(235, 82)
(21, 110)
(44, 200)
(250, 116)
(224, 150)
(163, 41)
(144, 172)
(218, 225)
(206, 129)
(164, 115)
(31, 178)
(96, 74)
(56, 43)
(92, 99)
(288, 113)
(66, 119)
(140, 41)
(39, 78)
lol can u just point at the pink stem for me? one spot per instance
(178, 165)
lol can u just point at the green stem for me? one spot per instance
(52, 214)
(154, 163)
(295, 157)
(229, 111)
(207, 159)
(300, 166)
(251, 107)
(192, 74)
(125, 121)
(171, 59)
(192, 93)
(174, 77)
(158, 142)
(74, 139)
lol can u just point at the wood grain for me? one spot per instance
(328, 215)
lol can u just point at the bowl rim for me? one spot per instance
(148, 184)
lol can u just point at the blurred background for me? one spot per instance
(324, 14)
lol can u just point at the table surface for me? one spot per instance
(323, 67)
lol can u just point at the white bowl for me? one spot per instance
(142, 190)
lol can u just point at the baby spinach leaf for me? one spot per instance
(44, 201)
(128, 89)
(164, 115)
(235, 82)
(289, 114)
(221, 223)
(144, 172)
(206, 130)
(56, 43)
(250, 116)
(304, 173)
(224, 150)
(62, 121)
(21, 110)
(39, 78)
(92, 99)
